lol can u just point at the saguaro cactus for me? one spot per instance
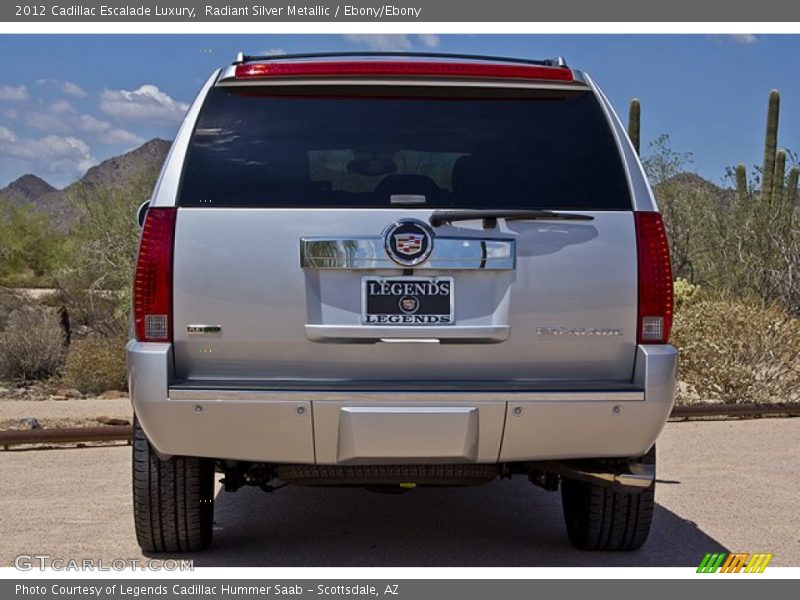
(791, 186)
(773, 172)
(741, 183)
(634, 122)
(770, 144)
(779, 178)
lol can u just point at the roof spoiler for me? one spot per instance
(558, 61)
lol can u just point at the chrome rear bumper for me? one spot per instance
(332, 427)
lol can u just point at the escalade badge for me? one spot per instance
(408, 242)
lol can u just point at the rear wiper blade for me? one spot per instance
(440, 217)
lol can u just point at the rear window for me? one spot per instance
(253, 147)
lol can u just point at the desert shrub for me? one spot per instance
(9, 302)
(32, 344)
(96, 364)
(738, 351)
(763, 256)
(685, 293)
(95, 311)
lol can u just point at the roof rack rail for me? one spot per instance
(558, 61)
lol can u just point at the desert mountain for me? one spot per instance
(692, 181)
(116, 172)
(693, 185)
(26, 189)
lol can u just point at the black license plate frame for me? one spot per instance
(407, 301)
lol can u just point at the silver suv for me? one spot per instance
(397, 270)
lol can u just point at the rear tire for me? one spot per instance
(598, 518)
(173, 500)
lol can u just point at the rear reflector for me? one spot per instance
(152, 290)
(396, 68)
(655, 279)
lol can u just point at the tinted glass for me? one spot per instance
(255, 148)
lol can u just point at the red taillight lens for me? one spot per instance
(401, 68)
(655, 279)
(152, 289)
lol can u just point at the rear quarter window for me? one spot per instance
(255, 147)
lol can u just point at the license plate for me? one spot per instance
(407, 300)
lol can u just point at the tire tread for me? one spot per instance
(172, 499)
(599, 518)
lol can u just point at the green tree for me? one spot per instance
(687, 209)
(30, 246)
(102, 250)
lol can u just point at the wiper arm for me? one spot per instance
(440, 217)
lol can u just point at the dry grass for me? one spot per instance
(32, 345)
(96, 364)
(738, 352)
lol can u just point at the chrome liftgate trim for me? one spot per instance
(365, 253)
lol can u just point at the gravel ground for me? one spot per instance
(63, 413)
(728, 485)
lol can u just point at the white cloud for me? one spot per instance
(10, 92)
(383, 42)
(93, 124)
(6, 135)
(62, 118)
(106, 133)
(72, 89)
(429, 39)
(122, 137)
(393, 42)
(61, 107)
(67, 155)
(273, 52)
(42, 119)
(743, 38)
(146, 103)
(67, 87)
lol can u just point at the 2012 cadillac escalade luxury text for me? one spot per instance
(392, 271)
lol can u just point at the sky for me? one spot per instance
(68, 102)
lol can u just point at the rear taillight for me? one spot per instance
(389, 68)
(152, 289)
(655, 279)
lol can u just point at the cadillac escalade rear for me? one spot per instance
(401, 270)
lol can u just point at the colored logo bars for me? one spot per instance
(734, 563)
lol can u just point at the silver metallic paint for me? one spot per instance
(240, 268)
(404, 434)
(263, 425)
(226, 271)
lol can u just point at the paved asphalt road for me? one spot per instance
(725, 486)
